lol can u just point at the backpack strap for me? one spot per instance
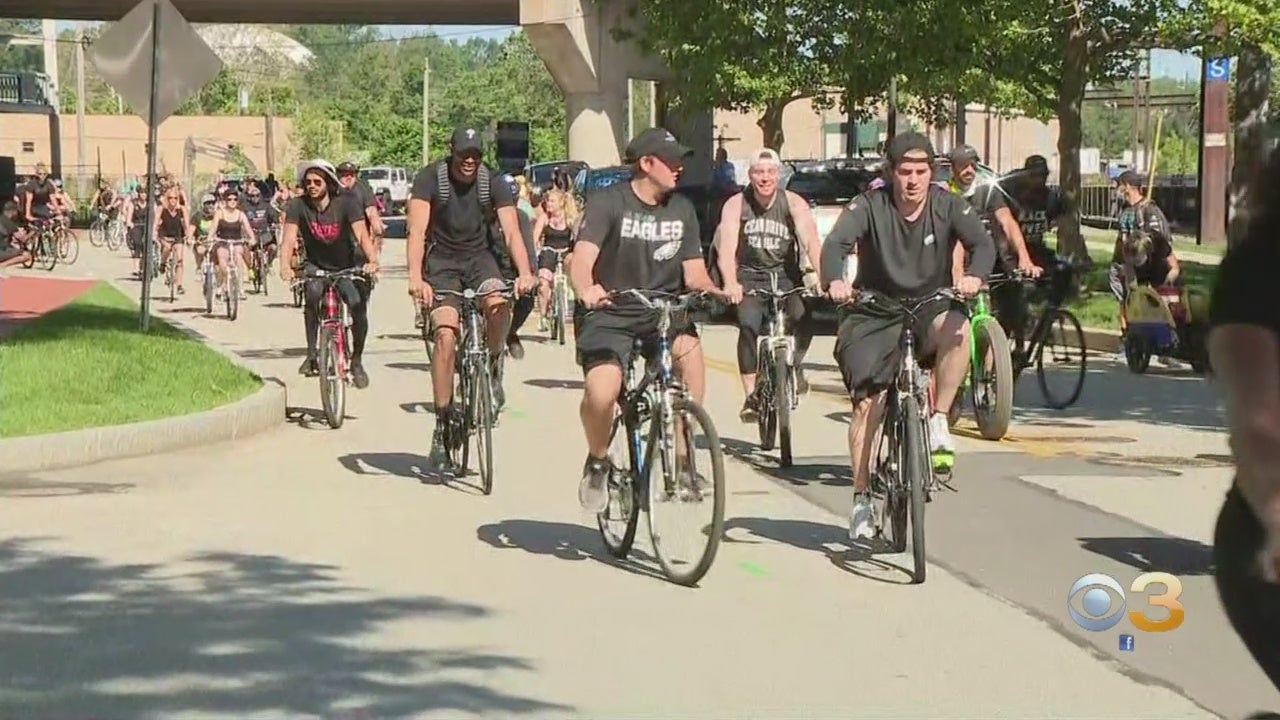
(485, 190)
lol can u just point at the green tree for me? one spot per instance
(749, 56)
(21, 58)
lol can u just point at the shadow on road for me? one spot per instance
(1160, 397)
(831, 541)
(309, 418)
(553, 384)
(405, 465)
(17, 487)
(401, 336)
(272, 353)
(231, 635)
(801, 473)
(562, 541)
(414, 366)
(1178, 556)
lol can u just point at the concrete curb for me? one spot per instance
(1098, 340)
(260, 411)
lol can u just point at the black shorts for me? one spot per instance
(547, 259)
(9, 253)
(608, 336)
(453, 273)
(869, 345)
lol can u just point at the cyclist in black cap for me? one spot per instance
(348, 177)
(452, 209)
(902, 234)
(636, 234)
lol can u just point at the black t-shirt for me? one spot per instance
(328, 239)
(460, 228)
(1245, 291)
(260, 214)
(906, 259)
(641, 246)
(40, 192)
(1035, 210)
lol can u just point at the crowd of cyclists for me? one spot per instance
(470, 228)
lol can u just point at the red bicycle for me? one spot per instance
(333, 342)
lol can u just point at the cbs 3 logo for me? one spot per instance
(1102, 611)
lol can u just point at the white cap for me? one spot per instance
(765, 156)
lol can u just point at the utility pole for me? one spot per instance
(50, 32)
(82, 143)
(426, 111)
(961, 123)
(1215, 123)
(892, 124)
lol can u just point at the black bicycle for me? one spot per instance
(657, 417)
(902, 477)
(1056, 344)
(474, 370)
(775, 389)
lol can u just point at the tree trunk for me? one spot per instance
(770, 123)
(1075, 76)
(1253, 86)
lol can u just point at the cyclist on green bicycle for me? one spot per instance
(637, 234)
(902, 234)
(776, 226)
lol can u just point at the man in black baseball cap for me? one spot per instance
(661, 144)
(467, 141)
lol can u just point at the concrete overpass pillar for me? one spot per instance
(593, 69)
(695, 128)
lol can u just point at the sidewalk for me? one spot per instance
(311, 571)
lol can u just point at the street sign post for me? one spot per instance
(155, 60)
(1217, 69)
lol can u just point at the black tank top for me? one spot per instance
(171, 224)
(139, 209)
(767, 240)
(229, 230)
(557, 239)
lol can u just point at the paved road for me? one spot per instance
(309, 572)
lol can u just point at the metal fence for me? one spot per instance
(1179, 198)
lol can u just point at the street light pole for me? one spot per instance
(82, 143)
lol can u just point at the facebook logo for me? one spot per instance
(1126, 643)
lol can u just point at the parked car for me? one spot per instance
(390, 184)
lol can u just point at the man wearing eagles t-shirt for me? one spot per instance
(634, 235)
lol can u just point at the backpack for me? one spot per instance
(497, 245)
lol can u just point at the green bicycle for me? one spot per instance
(989, 383)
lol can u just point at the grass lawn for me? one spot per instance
(1096, 306)
(87, 365)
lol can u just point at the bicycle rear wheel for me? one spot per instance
(991, 380)
(480, 405)
(333, 387)
(782, 391)
(47, 258)
(620, 518)
(916, 472)
(1064, 344)
(686, 487)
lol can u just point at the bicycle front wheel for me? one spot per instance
(693, 488)
(561, 301)
(782, 391)
(916, 472)
(991, 380)
(68, 247)
(766, 398)
(333, 387)
(114, 236)
(97, 234)
(1061, 360)
(46, 253)
(480, 405)
(233, 296)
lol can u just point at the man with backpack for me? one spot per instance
(762, 231)
(452, 212)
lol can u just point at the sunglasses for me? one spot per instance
(315, 182)
(231, 199)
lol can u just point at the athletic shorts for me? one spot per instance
(547, 260)
(445, 271)
(609, 335)
(869, 345)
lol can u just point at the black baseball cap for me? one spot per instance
(1037, 163)
(348, 167)
(659, 143)
(1130, 178)
(908, 142)
(963, 155)
(466, 138)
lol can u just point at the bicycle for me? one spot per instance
(657, 399)
(65, 242)
(259, 266)
(775, 373)
(333, 342)
(209, 279)
(559, 307)
(41, 249)
(990, 390)
(902, 478)
(169, 266)
(474, 369)
(98, 229)
(1053, 317)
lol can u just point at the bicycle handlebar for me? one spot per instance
(331, 275)
(507, 289)
(910, 306)
(776, 293)
(660, 300)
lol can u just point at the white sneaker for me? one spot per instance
(860, 525)
(940, 434)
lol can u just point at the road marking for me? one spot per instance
(752, 568)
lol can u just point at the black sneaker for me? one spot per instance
(750, 409)
(439, 456)
(515, 347)
(359, 377)
(309, 367)
(593, 492)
